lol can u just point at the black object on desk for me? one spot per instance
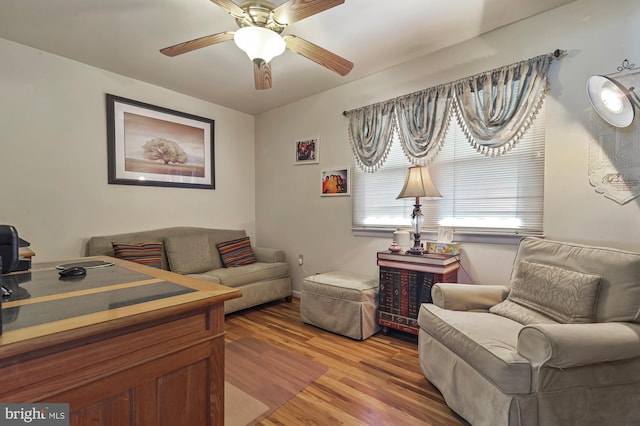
(8, 248)
(73, 271)
(9, 245)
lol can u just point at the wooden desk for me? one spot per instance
(405, 283)
(125, 345)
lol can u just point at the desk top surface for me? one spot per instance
(43, 304)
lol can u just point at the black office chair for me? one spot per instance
(9, 245)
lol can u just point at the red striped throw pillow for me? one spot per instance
(149, 254)
(236, 252)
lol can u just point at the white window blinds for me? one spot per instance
(503, 194)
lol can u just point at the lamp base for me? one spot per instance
(416, 252)
(418, 248)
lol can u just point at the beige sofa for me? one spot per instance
(193, 251)
(560, 346)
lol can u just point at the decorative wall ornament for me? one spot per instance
(614, 154)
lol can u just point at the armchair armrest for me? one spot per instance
(268, 255)
(573, 345)
(467, 297)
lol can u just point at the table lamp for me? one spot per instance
(418, 185)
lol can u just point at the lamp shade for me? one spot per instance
(610, 99)
(418, 184)
(259, 43)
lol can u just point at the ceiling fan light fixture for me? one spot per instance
(259, 43)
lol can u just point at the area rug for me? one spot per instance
(259, 378)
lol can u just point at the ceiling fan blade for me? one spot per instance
(197, 43)
(296, 10)
(230, 7)
(319, 55)
(262, 75)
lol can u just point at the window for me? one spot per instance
(479, 194)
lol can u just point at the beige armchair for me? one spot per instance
(560, 346)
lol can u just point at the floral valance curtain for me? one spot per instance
(495, 109)
(370, 131)
(423, 119)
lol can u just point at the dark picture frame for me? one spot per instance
(154, 146)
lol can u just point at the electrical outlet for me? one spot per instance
(300, 259)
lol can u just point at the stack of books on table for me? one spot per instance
(428, 262)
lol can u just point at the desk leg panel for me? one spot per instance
(179, 394)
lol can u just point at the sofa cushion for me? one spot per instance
(542, 292)
(149, 254)
(189, 253)
(619, 297)
(218, 236)
(236, 252)
(247, 274)
(520, 313)
(485, 341)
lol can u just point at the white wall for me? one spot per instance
(291, 214)
(53, 158)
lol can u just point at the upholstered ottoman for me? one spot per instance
(341, 302)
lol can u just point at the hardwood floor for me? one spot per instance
(373, 382)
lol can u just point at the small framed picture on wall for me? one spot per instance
(335, 182)
(306, 151)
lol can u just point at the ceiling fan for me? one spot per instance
(261, 24)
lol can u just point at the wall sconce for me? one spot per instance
(614, 102)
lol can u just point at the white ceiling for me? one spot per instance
(124, 36)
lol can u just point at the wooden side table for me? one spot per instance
(405, 283)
